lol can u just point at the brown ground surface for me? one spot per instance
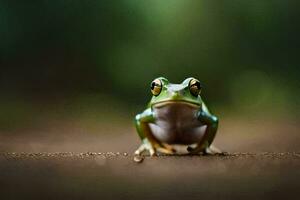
(64, 160)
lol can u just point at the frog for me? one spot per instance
(176, 116)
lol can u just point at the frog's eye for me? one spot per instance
(195, 87)
(156, 87)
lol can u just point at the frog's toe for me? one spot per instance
(212, 150)
(195, 150)
(151, 151)
(192, 150)
(143, 148)
(140, 150)
(198, 148)
(166, 151)
(169, 148)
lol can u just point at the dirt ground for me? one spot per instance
(64, 160)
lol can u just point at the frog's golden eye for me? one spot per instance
(156, 86)
(195, 87)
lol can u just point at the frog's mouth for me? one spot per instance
(172, 102)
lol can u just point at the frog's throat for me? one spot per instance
(169, 102)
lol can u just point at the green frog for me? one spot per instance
(176, 120)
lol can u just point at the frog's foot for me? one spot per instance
(212, 150)
(166, 149)
(197, 149)
(146, 146)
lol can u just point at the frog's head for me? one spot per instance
(165, 92)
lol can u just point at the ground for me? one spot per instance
(64, 160)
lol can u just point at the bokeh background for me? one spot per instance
(74, 73)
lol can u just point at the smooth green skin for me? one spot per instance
(203, 115)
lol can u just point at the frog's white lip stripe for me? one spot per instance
(167, 102)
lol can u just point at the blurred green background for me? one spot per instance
(74, 73)
(96, 59)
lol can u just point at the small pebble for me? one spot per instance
(110, 153)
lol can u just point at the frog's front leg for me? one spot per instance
(204, 145)
(149, 143)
